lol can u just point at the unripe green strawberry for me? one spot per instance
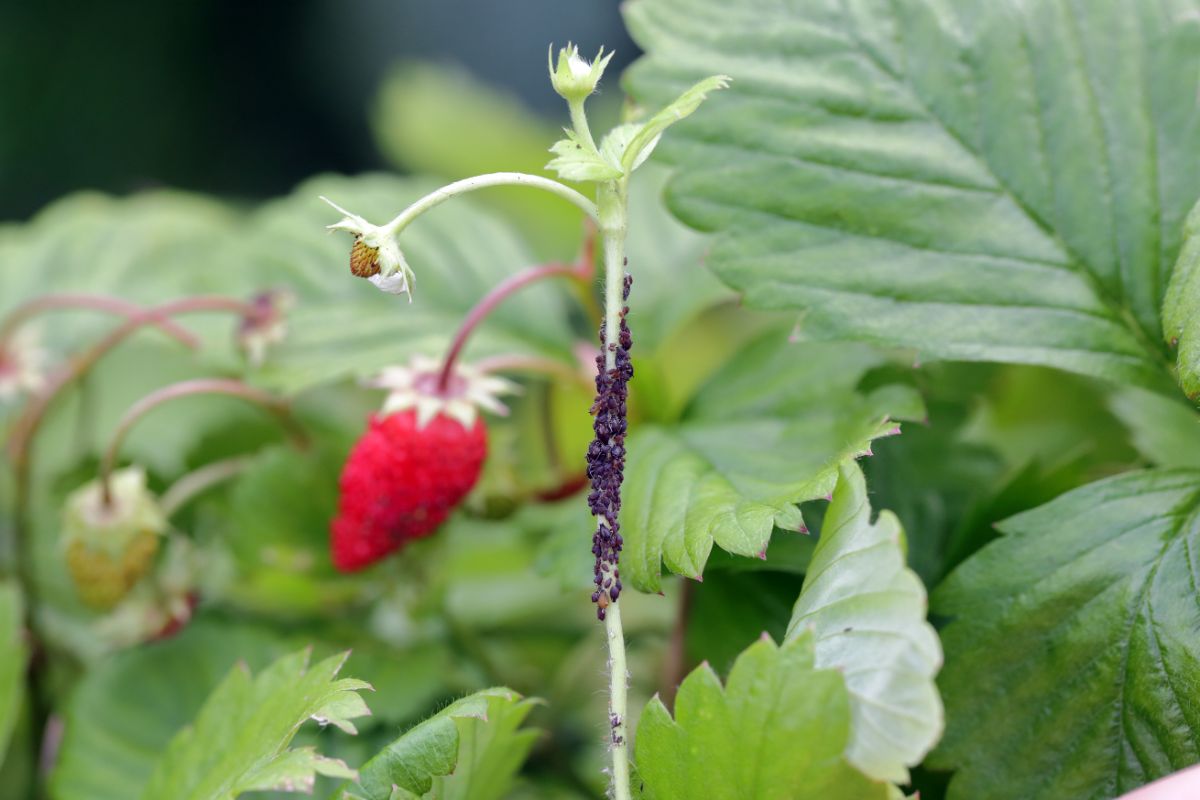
(110, 545)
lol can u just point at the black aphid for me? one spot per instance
(606, 458)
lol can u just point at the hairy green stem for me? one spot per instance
(580, 122)
(614, 222)
(451, 190)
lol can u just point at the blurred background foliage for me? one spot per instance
(245, 100)
(248, 101)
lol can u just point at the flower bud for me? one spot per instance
(111, 543)
(265, 324)
(574, 78)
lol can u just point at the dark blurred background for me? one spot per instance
(244, 98)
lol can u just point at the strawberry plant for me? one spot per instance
(825, 427)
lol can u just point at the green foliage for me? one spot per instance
(1165, 432)
(986, 181)
(732, 608)
(873, 632)
(470, 750)
(90, 242)
(576, 160)
(280, 506)
(768, 431)
(1180, 307)
(13, 656)
(1071, 664)
(777, 729)
(643, 141)
(994, 182)
(240, 739)
(124, 711)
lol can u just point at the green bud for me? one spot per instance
(574, 78)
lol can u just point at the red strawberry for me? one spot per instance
(401, 482)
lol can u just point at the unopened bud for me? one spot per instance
(265, 325)
(573, 77)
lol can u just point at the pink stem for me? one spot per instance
(91, 302)
(270, 402)
(583, 271)
(31, 418)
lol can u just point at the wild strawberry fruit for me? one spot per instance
(162, 603)
(111, 543)
(417, 460)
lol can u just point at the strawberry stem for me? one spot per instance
(234, 388)
(451, 190)
(612, 375)
(199, 480)
(90, 302)
(25, 427)
(582, 272)
(31, 418)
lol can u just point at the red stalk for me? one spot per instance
(583, 272)
(234, 388)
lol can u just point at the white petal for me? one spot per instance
(396, 283)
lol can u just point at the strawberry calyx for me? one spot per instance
(419, 387)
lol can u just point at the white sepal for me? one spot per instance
(395, 276)
(416, 387)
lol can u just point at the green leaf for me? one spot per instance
(239, 742)
(13, 657)
(765, 433)
(616, 141)
(576, 160)
(642, 143)
(874, 632)
(1166, 432)
(1180, 307)
(982, 180)
(88, 242)
(671, 286)
(275, 522)
(468, 751)
(125, 709)
(731, 609)
(934, 478)
(1072, 666)
(777, 730)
